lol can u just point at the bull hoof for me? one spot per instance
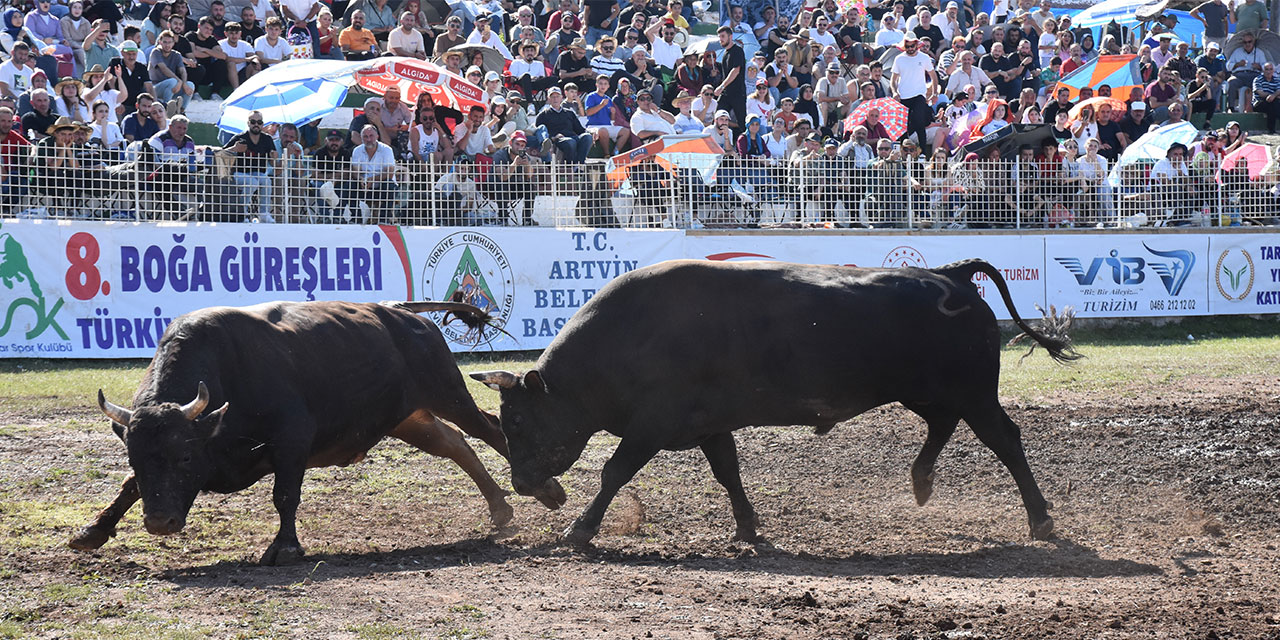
(1042, 530)
(501, 514)
(551, 494)
(922, 486)
(578, 537)
(90, 538)
(749, 536)
(279, 555)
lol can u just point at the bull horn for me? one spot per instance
(193, 409)
(118, 414)
(497, 380)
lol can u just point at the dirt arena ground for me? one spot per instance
(1166, 502)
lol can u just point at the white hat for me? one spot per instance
(1138, 106)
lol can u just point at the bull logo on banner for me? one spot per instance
(15, 272)
(474, 266)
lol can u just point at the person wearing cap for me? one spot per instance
(645, 74)
(485, 36)
(331, 166)
(1135, 125)
(574, 67)
(1213, 62)
(1213, 14)
(761, 102)
(914, 85)
(517, 176)
(833, 96)
(564, 129)
(405, 40)
(720, 130)
(732, 91)
(240, 58)
(39, 82)
(649, 122)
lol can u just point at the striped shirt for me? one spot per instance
(1262, 85)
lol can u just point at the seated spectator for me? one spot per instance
(173, 158)
(649, 122)
(75, 29)
(574, 67)
(1171, 186)
(56, 168)
(41, 118)
(242, 62)
(752, 143)
(875, 128)
(251, 29)
(642, 72)
(380, 19)
(720, 131)
(601, 117)
(833, 97)
(67, 100)
(471, 138)
(1266, 95)
(104, 130)
(395, 118)
(357, 42)
(856, 150)
(1062, 102)
(326, 45)
(1244, 65)
(270, 47)
(1134, 126)
(776, 141)
(209, 58)
(485, 36)
(605, 63)
(46, 27)
(331, 173)
(761, 102)
(685, 121)
(429, 142)
(517, 176)
(169, 73)
(373, 167)
(255, 157)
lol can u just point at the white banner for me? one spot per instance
(1019, 258)
(1244, 273)
(1128, 276)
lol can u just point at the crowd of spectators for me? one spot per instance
(775, 90)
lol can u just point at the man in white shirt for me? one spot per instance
(406, 41)
(374, 166)
(914, 84)
(242, 62)
(15, 73)
(649, 121)
(1170, 183)
(833, 97)
(949, 22)
(471, 136)
(665, 51)
(966, 74)
(271, 48)
(822, 34)
(483, 35)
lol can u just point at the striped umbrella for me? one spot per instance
(893, 115)
(1120, 72)
(294, 91)
(415, 77)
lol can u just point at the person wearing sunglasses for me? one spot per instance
(1244, 64)
(255, 153)
(914, 85)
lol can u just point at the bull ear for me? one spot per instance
(497, 380)
(213, 421)
(118, 414)
(533, 381)
(193, 409)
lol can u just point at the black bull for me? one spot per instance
(683, 353)
(297, 385)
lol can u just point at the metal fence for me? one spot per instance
(823, 191)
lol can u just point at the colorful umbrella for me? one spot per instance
(415, 76)
(1152, 146)
(961, 129)
(1121, 72)
(893, 115)
(699, 153)
(1097, 102)
(294, 91)
(1255, 155)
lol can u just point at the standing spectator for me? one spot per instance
(1249, 15)
(732, 91)
(373, 165)
(600, 17)
(914, 85)
(1266, 95)
(357, 42)
(564, 129)
(169, 74)
(255, 154)
(1213, 14)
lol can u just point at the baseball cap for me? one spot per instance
(1138, 106)
(722, 112)
(554, 90)
(129, 45)
(499, 100)
(334, 133)
(830, 142)
(813, 137)
(491, 76)
(1213, 45)
(475, 69)
(519, 135)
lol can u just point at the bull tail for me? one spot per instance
(1052, 333)
(477, 320)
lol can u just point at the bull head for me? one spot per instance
(499, 380)
(122, 417)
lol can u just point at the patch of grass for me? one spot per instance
(10, 630)
(381, 631)
(27, 524)
(463, 633)
(62, 593)
(38, 386)
(470, 610)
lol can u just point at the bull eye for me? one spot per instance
(186, 459)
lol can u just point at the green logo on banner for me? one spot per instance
(468, 277)
(15, 271)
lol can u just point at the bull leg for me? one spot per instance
(104, 526)
(289, 459)
(627, 459)
(722, 453)
(485, 426)
(441, 440)
(996, 430)
(941, 426)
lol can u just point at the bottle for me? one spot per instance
(1234, 211)
(1206, 216)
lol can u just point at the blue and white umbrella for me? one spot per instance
(1153, 146)
(294, 91)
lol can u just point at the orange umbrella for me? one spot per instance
(415, 77)
(699, 153)
(1096, 103)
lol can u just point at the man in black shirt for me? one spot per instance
(36, 123)
(134, 74)
(574, 67)
(926, 29)
(849, 37)
(564, 129)
(331, 164)
(732, 92)
(1001, 69)
(1062, 103)
(195, 73)
(209, 57)
(250, 28)
(218, 14)
(255, 151)
(1135, 125)
(637, 6)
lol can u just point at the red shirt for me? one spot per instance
(10, 146)
(553, 25)
(1070, 65)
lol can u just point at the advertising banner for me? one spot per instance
(1019, 258)
(531, 280)
(1128, 276)
(108, 290)
(1244, 273)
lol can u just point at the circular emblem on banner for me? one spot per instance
(905, 257)
(473, 264)
(1234, 274)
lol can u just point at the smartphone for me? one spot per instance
(897, 146)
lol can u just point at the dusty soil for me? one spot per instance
(1166, 505)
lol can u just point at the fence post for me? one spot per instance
(911, 201)
(1017, 188)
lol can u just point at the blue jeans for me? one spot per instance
(595, 33)
(575, 148)
(255, 181)
(167, 88)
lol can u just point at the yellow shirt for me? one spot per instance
(352, 40)
(681, 23)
